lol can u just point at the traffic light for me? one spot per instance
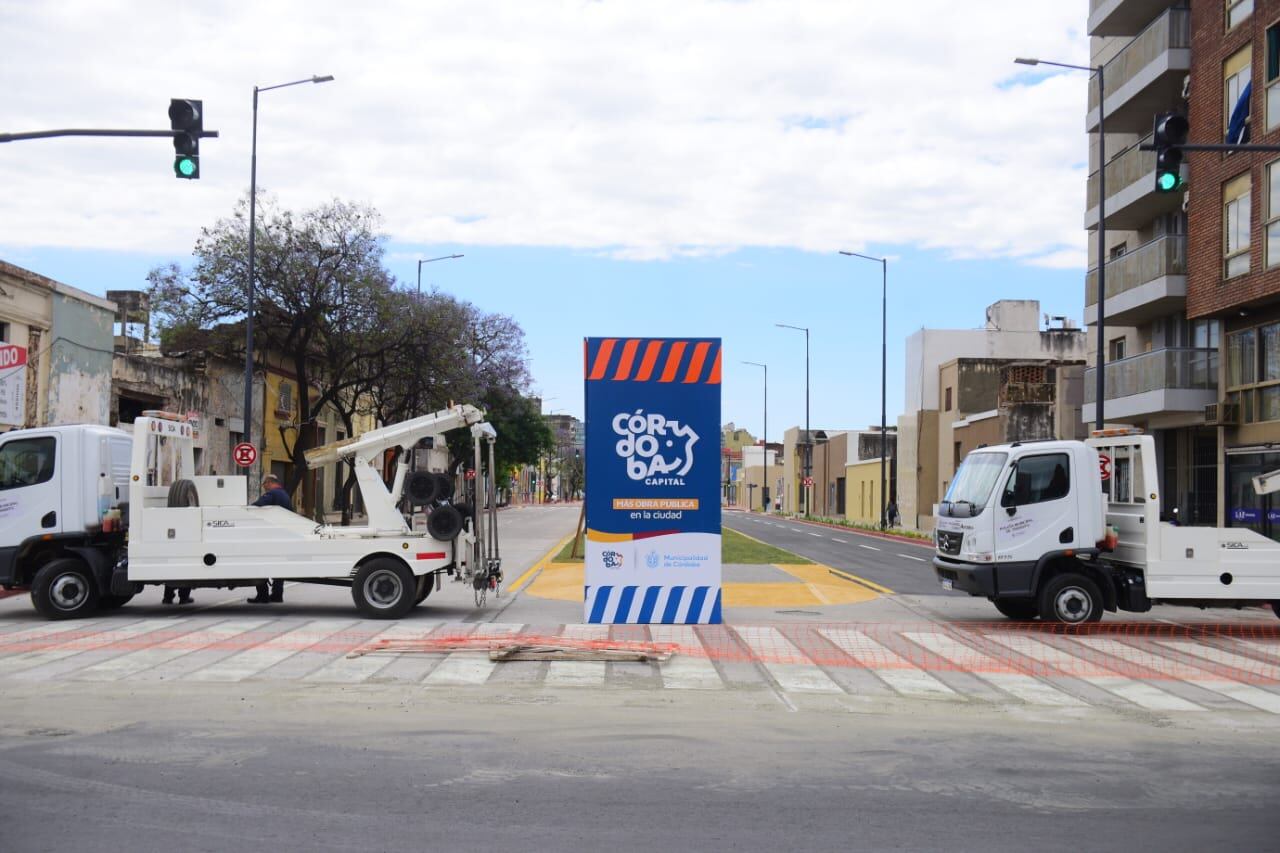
(187, 122)
(1170, 133)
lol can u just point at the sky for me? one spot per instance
(606, 168)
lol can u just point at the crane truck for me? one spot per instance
(89, 515)
(1064, 530)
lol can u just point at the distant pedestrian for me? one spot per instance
(273, 494)
(184, 594)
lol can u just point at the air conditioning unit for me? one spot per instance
(1222, 414)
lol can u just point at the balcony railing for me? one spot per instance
(1161, 257)
(1170, 31)
(1128, 167)
(1158, 370)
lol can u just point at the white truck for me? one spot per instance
(91, 514)
(1064, 530)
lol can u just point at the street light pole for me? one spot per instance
(1100, 378)
(430, 260)
(764, 442)
(253, 211)
(884, 313)
(808, 436)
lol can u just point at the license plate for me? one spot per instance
(947, 583)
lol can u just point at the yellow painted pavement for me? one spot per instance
(814, 585)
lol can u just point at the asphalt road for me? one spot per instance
(903, 567)
(305, 768)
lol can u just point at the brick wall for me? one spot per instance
(1207, 293)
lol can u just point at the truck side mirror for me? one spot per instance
(1012, 510)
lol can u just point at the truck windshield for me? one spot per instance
(973, 484)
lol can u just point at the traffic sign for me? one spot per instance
(244, 454)
(471, 473)
(808, 481)
(1104, 466)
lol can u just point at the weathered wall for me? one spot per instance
(79, 363)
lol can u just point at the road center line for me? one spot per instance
(909, 557)
(841, 541)
(819, 535)
(868, 547)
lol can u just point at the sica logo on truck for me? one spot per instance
(654, 447)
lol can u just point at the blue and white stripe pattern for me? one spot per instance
(664, 605)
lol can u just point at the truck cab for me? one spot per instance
(1010, 511)
(60, 490)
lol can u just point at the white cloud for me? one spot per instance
(639, 129)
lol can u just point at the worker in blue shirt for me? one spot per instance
(273, 494)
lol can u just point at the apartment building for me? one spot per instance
(952, 374)
(1161, 360)
(1233, 276)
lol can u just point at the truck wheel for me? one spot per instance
(422, 487)
(183, 493)
(114, 602)
(1022, 609)
(444, 523)
(64, 589)
(384, 589)
(1072, 599)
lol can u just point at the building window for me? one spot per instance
(1237, 71)
(957, 456)
(1272, 76)
(284, 402)
(1118, 251)
(1235, 222)
(1271, 238)
(947, 401)
(1237, 11)
(1253, 373)
(4, 333)
(1116, 349)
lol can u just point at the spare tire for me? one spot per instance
(444, 523)
(444, 487)
(421, 487)
(183, 493)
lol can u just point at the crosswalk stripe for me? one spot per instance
(136, 662)
(250, 662)
(1268, 649)
(579, 673)
(1213, 654)
(1245, 693)
(791, 677)
(353, 670)
(26, 635)
(904, 678)
(462, 668)
(1024, 687)
(1143, 695)
(692, 671)
(28, 663)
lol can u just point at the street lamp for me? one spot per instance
(430, 260)
(764, 443)
(1100, 389)
(253, 209)
(884, 309)
(808, 438)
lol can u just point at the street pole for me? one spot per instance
(430, 260)
(253, 209)
(764, 442)
(1100, 379)
(808, 436)
(884, 372)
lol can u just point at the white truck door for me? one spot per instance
(30, 491)
(1037, 510)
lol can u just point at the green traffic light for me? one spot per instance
(185, 166)
(1167, 181)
